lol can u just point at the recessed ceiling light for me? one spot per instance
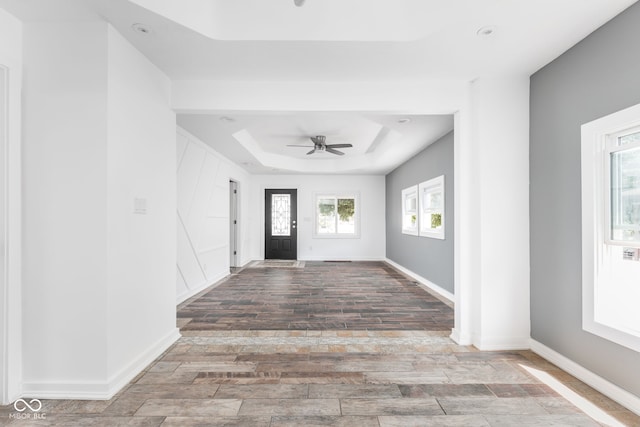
(141, 29)
(404, 120)
(486, 31)
(227, 119)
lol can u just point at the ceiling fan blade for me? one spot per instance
(311, 152)
(339, 145)
(296, 145)
(331, 150)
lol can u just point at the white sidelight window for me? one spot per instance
(611, 227)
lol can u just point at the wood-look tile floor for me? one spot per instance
(331, 377)
(320, 296)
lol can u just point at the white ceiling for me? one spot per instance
(259, 141)
(334, 41)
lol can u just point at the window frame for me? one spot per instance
(356, 215)
(408, 193)
(597, 245)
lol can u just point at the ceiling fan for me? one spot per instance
(319, 144)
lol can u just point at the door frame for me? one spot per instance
(234, 194)
(11, 239)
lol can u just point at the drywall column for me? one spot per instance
(466, 224)
(99, 211)
(495, 277)
(65, 209)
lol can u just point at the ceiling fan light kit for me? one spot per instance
(319, 144)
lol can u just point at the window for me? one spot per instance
(337, 215)
(432, 208)
(623, 161)
(410, 210)
(611, 227)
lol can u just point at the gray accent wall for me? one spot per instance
(427, 257)
(598, 76)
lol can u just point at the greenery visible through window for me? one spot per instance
(346, 209)
(336, 215)
(436, 220)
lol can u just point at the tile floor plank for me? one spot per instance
(406, 406)
(333, 421)
(290, 407)
(440, 421)
(190, 407)
(494, 406)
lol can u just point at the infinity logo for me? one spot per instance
(37, 405)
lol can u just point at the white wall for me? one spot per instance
(141, 252)
(371, 243)
(203, 216)
(10, 134)
(98, 289)
(65, 208)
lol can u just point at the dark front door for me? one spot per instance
(281, 224)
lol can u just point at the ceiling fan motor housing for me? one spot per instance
(319, 144)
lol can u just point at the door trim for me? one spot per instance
(11, 282)
(233, 223)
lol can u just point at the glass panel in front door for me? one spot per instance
(280, 214)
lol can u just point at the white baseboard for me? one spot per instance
(202, 286)
(321, 258)
(100, 390)
(129, 372)
(612, 391)
(459, 338)
(501, 343)
(245, 263)
(423, 281)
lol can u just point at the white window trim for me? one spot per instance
(342, 195)
(406, 194)
(425, 230)
(595, 225)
